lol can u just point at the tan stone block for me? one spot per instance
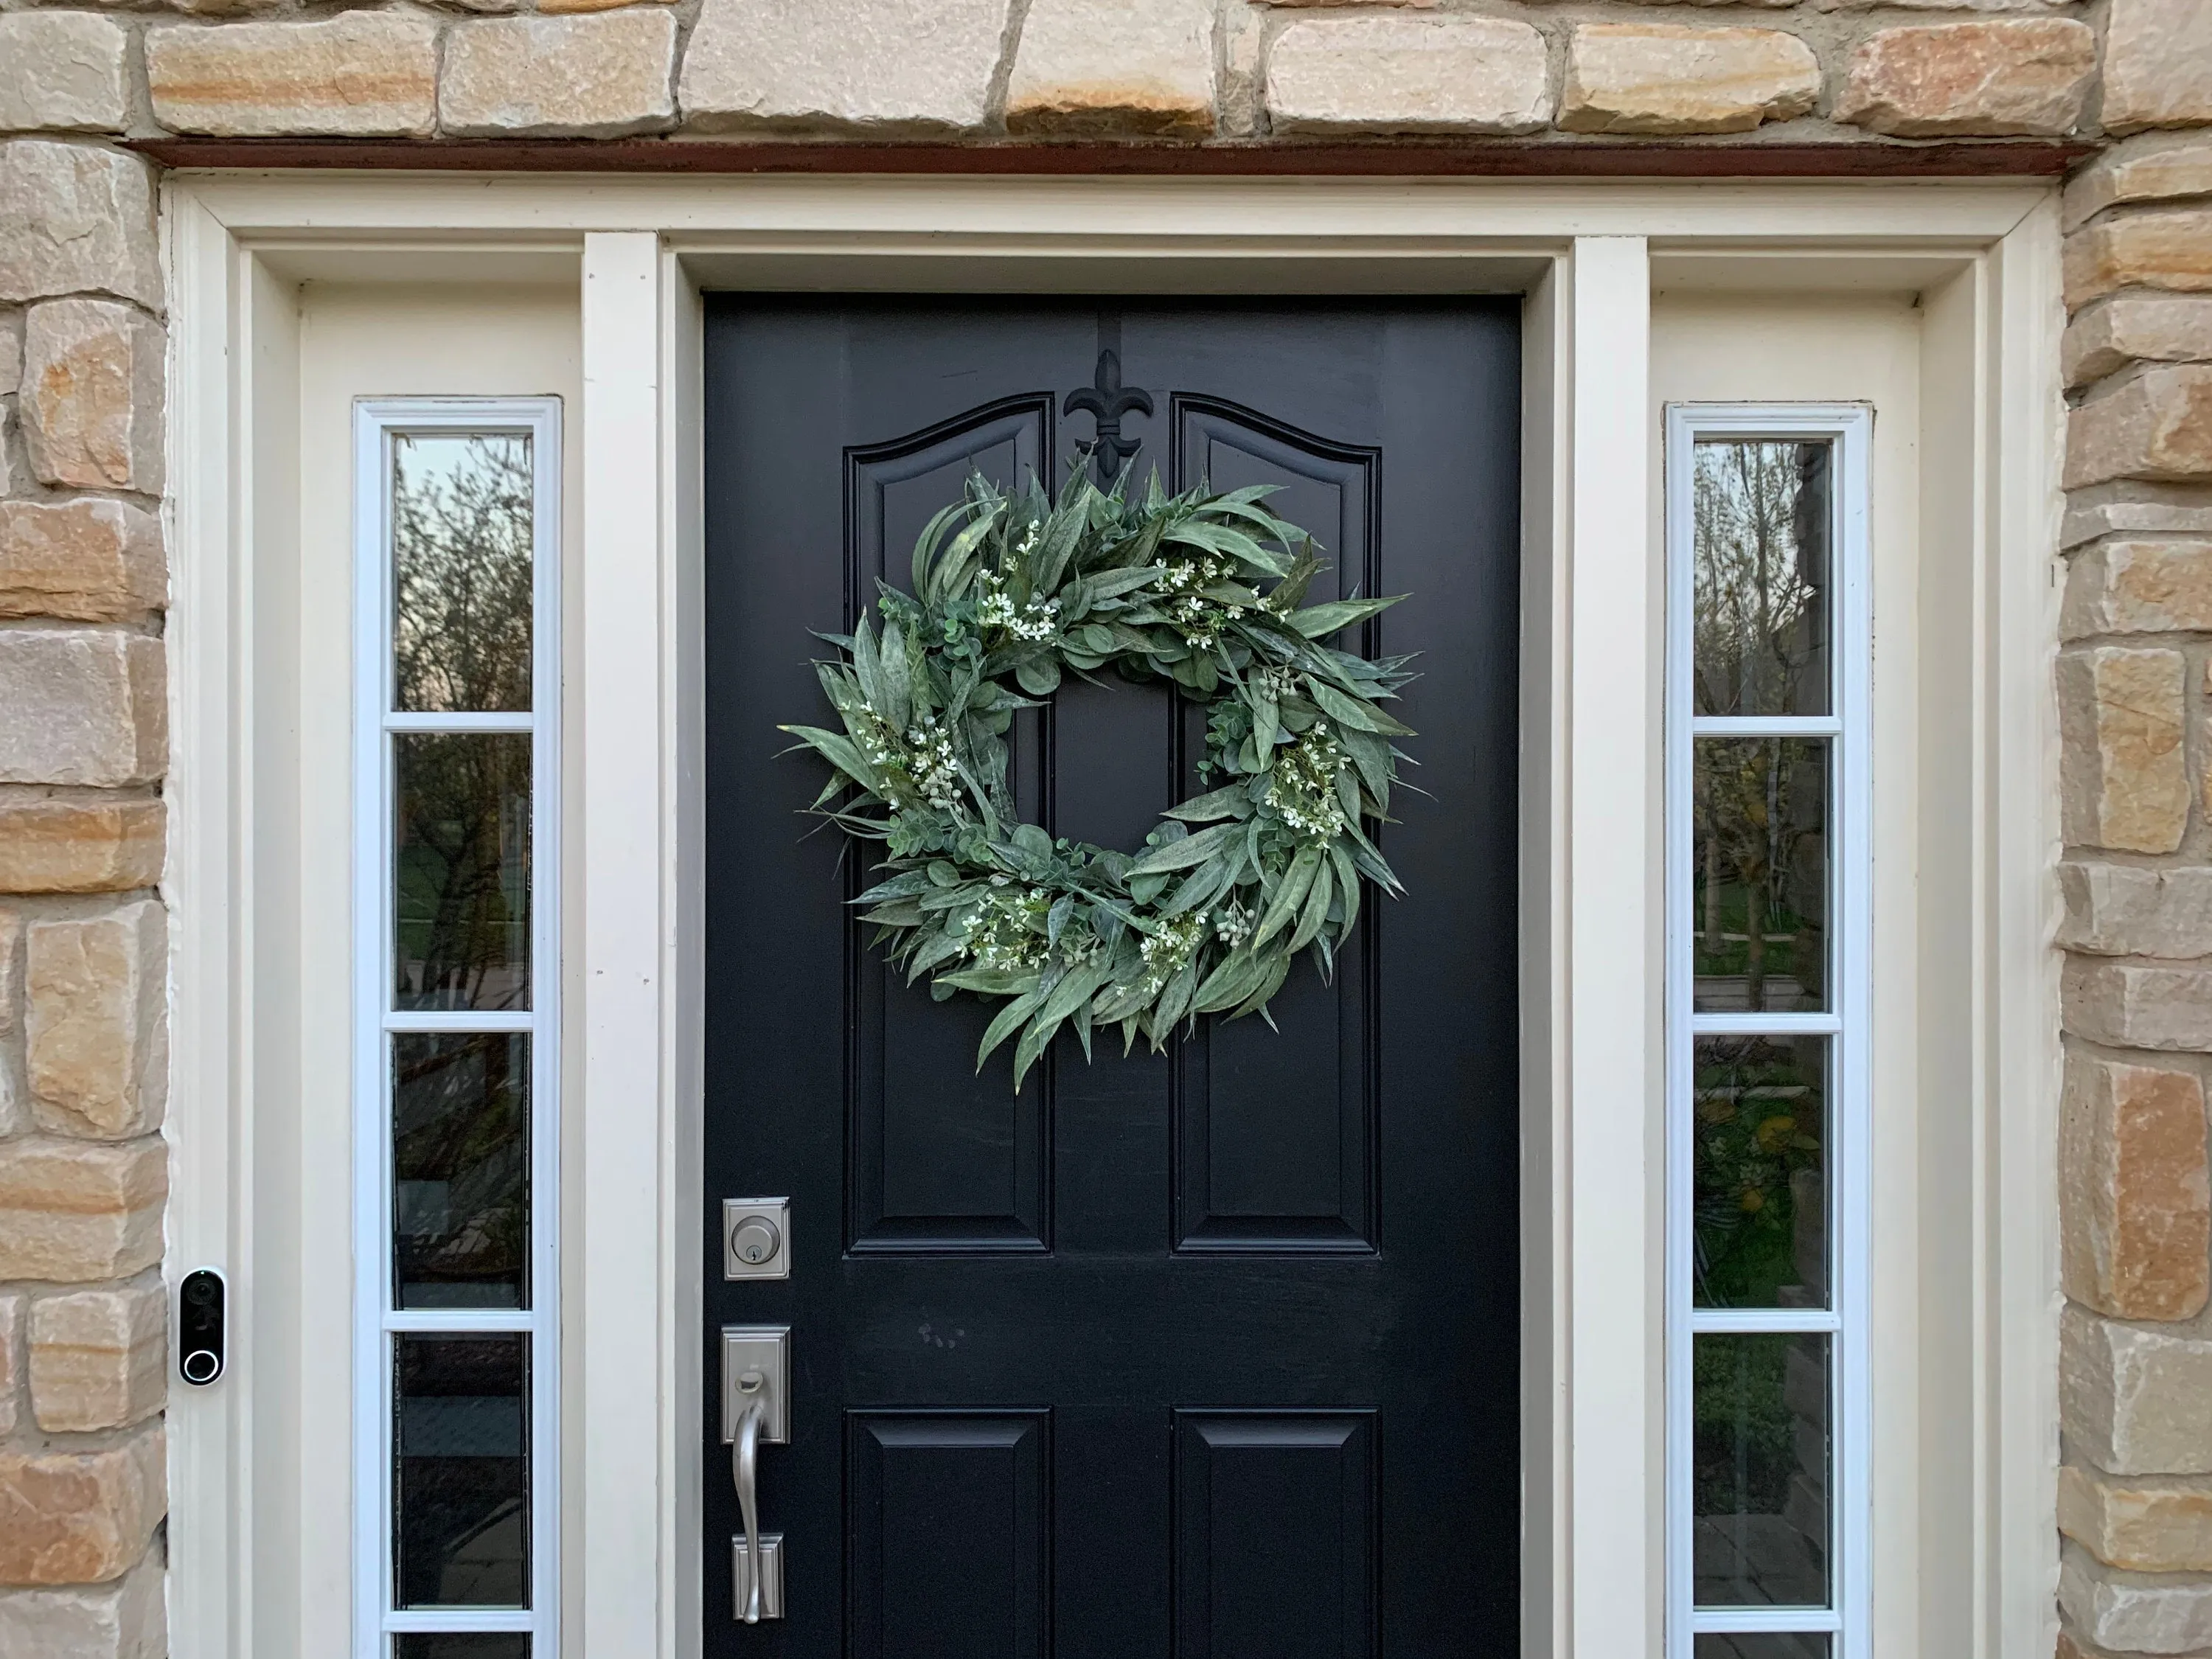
(2155, 166)
(589, 77)
(1114, 68)
(123, 1619)
(81, 846)
(2124, 776)
(80, 1517)
(1670, 78)
(2134, 1401)
(65, 73)
(75, 1210)
(88, 560)
(96, 1049)
(2127, 910)
(2138, 587)
(76, 218)
(2162, 1528)
(1338, 5)
(11, 971)
(84, 707)
(2166, 248)
(883, 67)
(2140, 1615)
(1396, 74)
(361, 73)
(1931, 5)
(2130, 328)
(11, 1370)
(2158, 65)
(91, 402)
(99, 1358)
(2000, 76)
(2135, 1199)
(2157, 426)
(2135, 509)
(11, 359)
(2138, 1006)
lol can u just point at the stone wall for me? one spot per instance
(82, 573)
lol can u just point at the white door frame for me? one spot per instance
(1589, 256)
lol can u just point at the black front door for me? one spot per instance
(1214, 1354)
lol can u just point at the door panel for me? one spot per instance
(1274, 1524)
(1211, 1352)
(948, 1519)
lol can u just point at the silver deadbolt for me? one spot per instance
(756, 1238)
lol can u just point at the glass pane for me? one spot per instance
(1760, 874)
(1759, 1120)
(1760, 532)
(460, 1475)
(463, 869)
(461, 558)
(1806, 1645)
(460, 1170)
(475, 1645)
(1760, 1447)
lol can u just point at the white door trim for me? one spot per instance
(1589, 255)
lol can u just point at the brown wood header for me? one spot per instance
(1404, 158)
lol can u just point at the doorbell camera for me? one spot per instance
(199, 1326)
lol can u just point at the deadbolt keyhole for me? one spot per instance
(754, 1240)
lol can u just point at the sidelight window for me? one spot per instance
(1767, 867)
(456, 1358)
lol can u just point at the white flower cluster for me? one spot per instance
(1233, 925)
(1199, 618)
(994, 608)
(1001, 933)
(931, 763)
(1302, 791)
(1165, 951)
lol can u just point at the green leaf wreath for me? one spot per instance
(1013, 590)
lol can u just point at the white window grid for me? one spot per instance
(1848, 728)
(377, 423)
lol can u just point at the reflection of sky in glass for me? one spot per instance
(1760, 535)
(461, 526)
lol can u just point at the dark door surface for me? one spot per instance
(1212, 1354)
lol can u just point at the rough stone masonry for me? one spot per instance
(84, 929)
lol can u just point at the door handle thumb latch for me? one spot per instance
(755, 1406)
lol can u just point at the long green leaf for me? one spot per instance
(1319, 620)
(1289, 895)
(1189, 850)
(1009, 1019)
(1316, 907)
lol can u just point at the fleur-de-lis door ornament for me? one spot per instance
(1106, 400)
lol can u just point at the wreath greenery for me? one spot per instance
(1011, 590)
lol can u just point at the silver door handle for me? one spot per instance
(744, 1469)
(755, 1412)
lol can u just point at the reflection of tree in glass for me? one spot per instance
(1761, 617)
(1759, 1124)
(1760, 535)
(1743, 1433)
(1759, 806)
(461, 560)
(460, 1146)
(464, 869)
